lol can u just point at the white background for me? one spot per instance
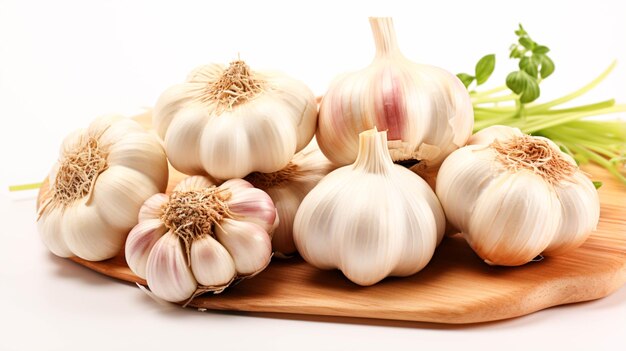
(62, 63)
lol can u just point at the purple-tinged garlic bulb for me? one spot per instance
(425, 110)
(202, 237)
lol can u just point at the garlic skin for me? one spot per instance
(202, 237)
(515, 196)
(288, 187)
(371, 219)
(103, 176)
(228, 122)
(426, 110)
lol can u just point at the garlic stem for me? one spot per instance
(373, 155)
(384, 36)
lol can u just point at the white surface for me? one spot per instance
(63, 63)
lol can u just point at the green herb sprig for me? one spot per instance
(601, 142)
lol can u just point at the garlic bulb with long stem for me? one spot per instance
(426, 110)
(371, 219)
(288, 187)
(103, 176)
(515, 196)
(202, 237)
(230, 121)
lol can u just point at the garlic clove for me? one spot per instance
(211, 263)
(513, 221)
(236, 185)
(422, 191)
(140, 242)
(287, 201)
(153, 207)
(248, 244)
(50, 230)
(71, 141)
(119, 193)
(369, 254)
(418, 244)
(113, 128)
(181, 141)
(141, 152)
(488, 135)
(204, 73)
(172, 101)
(193, 183)
(254, 206)
(580, 212)
(456, 181)
(231, 143)
(88, 235)
(300, 101)
(167, 272)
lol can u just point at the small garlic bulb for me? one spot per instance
(371, 219)
(201, 237)
(425, 110)
(288, 187)
(231, 121)
(515, 196)
(103, 175)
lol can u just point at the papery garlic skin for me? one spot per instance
(230, 121)
(426, 110)
(510, 212)
(371, 220)
(103, 176)
(202, 237)
(288, 187)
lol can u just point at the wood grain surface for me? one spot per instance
(455, 287)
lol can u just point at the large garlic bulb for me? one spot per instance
(201, 237)
(425, 110)
(371, 219)
(230, 121)
(103, 176)
(515, 196)
(288, 187)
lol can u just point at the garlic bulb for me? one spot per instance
(371, 219)
(515, 196)
(425, 110)
(201, 237)
(288, 187)
(231, 121)
(102, 177)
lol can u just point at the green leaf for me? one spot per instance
(523, 85)
(484, 68)
(547, 67)
(466, 79)
(541, 49)
(527, 43)
(530, 65)
(520, 32)
(597, 184)
(516, 52)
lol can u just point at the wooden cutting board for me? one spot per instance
(455, 287)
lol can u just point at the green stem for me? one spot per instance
(543, 124)
(599, 160)
(23, 187)
(589, 107)
(575, 94)
(488, 99)
(489, 92)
